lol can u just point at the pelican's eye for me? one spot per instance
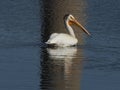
(72, 18)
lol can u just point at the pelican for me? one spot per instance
(65, 40)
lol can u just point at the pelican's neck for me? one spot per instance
(69, 28)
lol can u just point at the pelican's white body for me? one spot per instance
(62, 40)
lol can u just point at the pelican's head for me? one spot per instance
(71, 20)
(69, 17)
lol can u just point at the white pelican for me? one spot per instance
(62, 39)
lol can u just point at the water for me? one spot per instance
(27, 64)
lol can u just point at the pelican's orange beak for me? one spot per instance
(78, 24)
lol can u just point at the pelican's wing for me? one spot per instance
(52, 36)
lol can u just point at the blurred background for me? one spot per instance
(25, 61)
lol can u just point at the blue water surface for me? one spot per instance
(27, 64)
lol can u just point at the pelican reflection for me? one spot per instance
(62, 53)
(65, 55)
(66, 67)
